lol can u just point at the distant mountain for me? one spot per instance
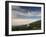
(31, 26)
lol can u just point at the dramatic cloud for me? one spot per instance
(22, 15)
(20, 12)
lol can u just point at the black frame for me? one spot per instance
(7, 17)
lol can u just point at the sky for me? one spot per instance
(25, 14)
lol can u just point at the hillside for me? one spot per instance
(35, 25)
(32, 26)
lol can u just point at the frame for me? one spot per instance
(13, 27)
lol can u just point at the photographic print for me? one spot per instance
(25, 18)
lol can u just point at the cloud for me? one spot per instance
(24, 13)
(17, 22)
(21, 16)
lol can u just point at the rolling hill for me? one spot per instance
(32, 26)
